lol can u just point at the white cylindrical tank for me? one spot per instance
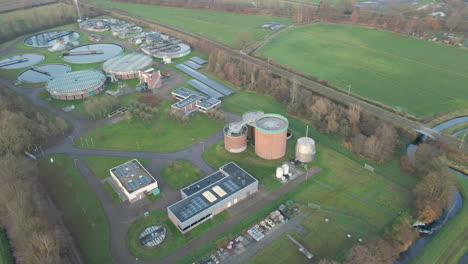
(305, 149)
(285, 167)
(279, 172)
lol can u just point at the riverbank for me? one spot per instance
(449, 244)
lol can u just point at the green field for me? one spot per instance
(180, 173)
(346, 215)
(161, 135)
(5, 250)
(449, 244)
(174, 238)
(219, 26)
(416, 76)
(81, 209)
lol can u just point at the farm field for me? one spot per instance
(81, 209)
(219, 26)
(415, 76)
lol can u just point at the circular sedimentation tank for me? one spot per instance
(305, 149)
(20, 61)
(174, 51)
(235, 137)
(43, 73)
(76, 85)
(271, 136)
(48, 39)
(92, 53)
(127, 66)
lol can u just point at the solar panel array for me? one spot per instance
(195, 206)
(193, 65)
(204, 79)
(135, 184)
(204, 89)
(230, 186)
(198, 60)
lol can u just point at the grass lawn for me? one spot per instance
(219, 26)
(81, 209)
(402, 72)
(180, 173)
(5, 251)
(161, 135)
(318, 240)
(101, 165)
(174, 238)
(449, 244)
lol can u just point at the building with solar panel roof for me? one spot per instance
(211, 195)
(133, 180)
(190, 101)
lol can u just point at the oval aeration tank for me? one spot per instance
(305, 149)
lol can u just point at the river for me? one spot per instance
(456, 205)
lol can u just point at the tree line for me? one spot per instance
(36, 235)
(21, 125)
(27, 21)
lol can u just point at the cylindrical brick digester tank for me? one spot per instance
(235, 137)
(270, 136)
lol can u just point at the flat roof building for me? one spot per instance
(211, 195)
(133, 179)
(190, 101)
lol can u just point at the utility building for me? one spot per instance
(133, 180)
(211, 195)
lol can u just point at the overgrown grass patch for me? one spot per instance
(180, 173)
(81, 209)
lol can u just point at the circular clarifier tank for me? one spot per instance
(92, 53)
(20, 61)
(48, 39)
(43, 73)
